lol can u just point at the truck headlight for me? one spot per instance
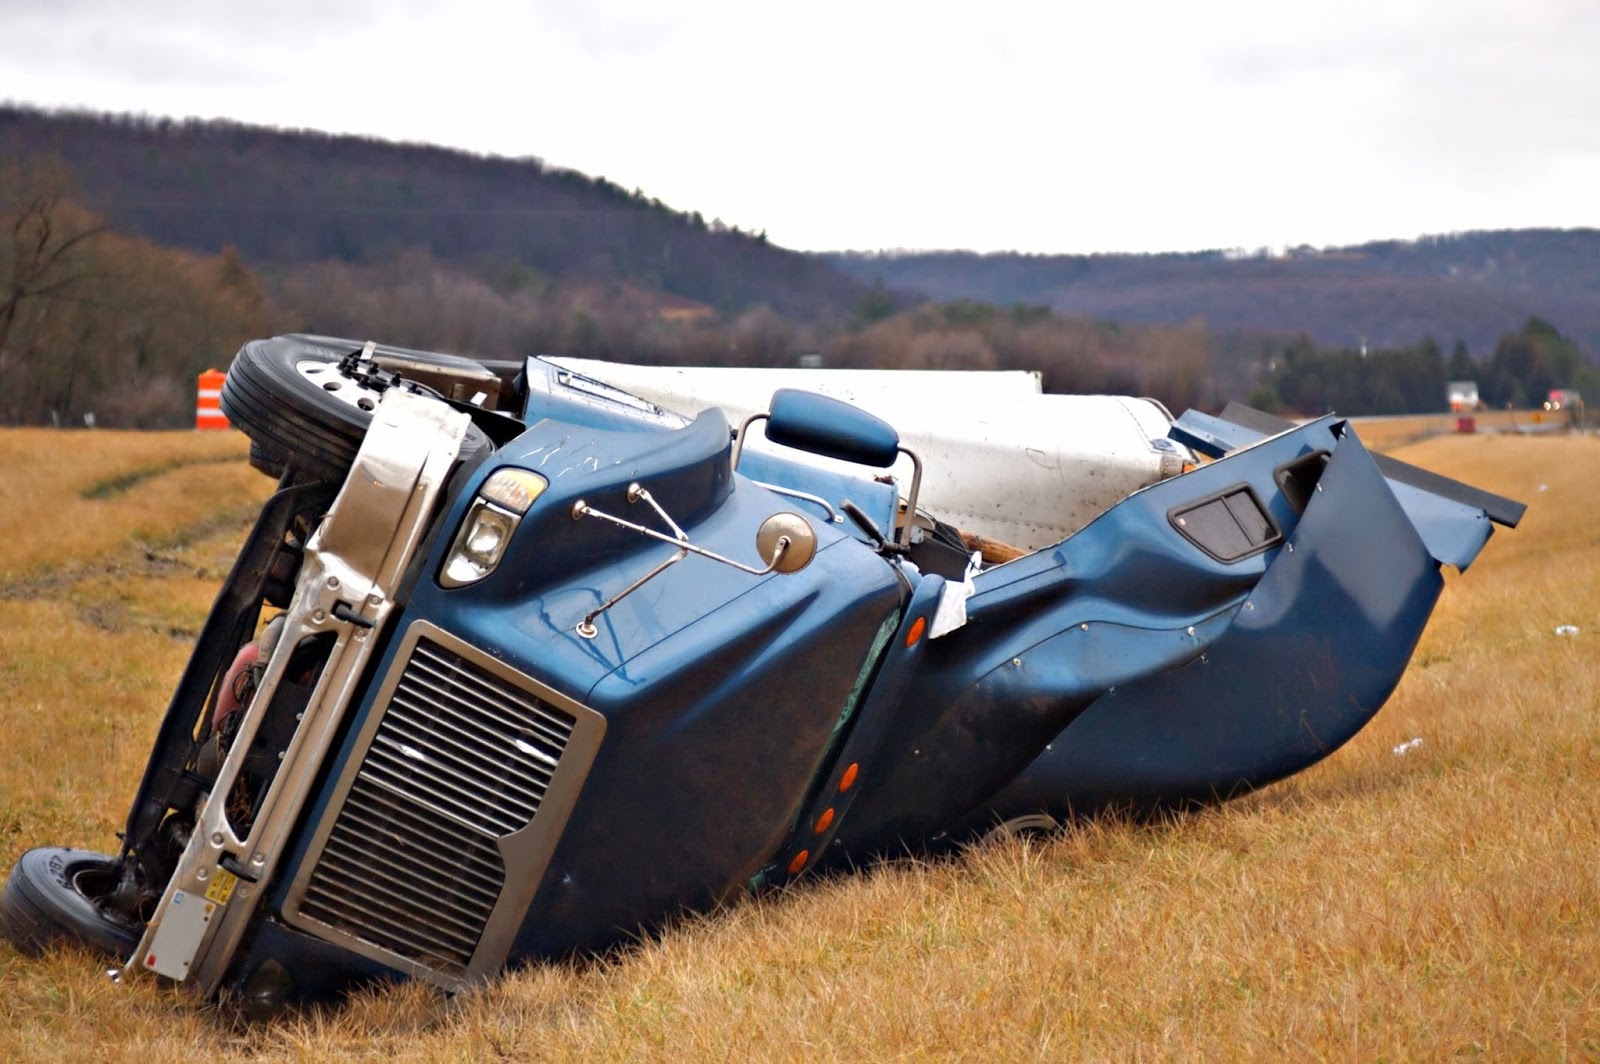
(490, 521)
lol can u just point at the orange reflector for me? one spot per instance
(823, 821)
(848, 780)
(916, 630)
(799, 862)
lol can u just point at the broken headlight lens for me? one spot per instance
(490, 521)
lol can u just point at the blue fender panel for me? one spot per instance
(1310, 657)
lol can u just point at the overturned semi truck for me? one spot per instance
(524, 657)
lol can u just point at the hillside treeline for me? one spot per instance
(420, 302)
(93, 321)
(1468, 286)
(1523, 368)
(98, 320)
(289, 197)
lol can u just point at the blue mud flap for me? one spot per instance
(1311, 655)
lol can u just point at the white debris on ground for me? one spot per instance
(1406, 747)
(1566, 629)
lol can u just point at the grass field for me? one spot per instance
(1436, 903)
(1388, 433)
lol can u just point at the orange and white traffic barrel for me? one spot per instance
(208, 404)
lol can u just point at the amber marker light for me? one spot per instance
(916, 630)
(848, 780)
(823, 821)
(799, 862)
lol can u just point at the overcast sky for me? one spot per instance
(1037, 125)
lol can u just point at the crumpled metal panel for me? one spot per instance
(1314, 651)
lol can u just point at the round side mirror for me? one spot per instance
(792, 536)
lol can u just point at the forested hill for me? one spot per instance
(287, 198)
(284, 197)
(141, 251)
(1470, 286)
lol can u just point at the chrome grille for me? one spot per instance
(460, 758)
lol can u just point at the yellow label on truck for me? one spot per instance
(221, 888)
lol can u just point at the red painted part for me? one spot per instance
(226, 702)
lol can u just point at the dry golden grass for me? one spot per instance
(68, 498)
(1438, 904)
(1387, 433)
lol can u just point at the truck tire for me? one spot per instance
(293, 397)
(50, 898)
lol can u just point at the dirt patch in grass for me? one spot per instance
(48, 525)
(122, 482)
(166, 590)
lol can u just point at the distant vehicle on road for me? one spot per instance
(1563, 399)
(1567, 406)
(1463, 396)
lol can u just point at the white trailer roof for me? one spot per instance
(999, 458)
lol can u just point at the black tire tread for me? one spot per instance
(288, 422)
(261, 397)
(41, 908)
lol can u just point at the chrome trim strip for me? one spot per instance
(804, 496)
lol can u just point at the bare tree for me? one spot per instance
(46, 260)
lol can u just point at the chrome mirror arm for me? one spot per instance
(679, 539)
